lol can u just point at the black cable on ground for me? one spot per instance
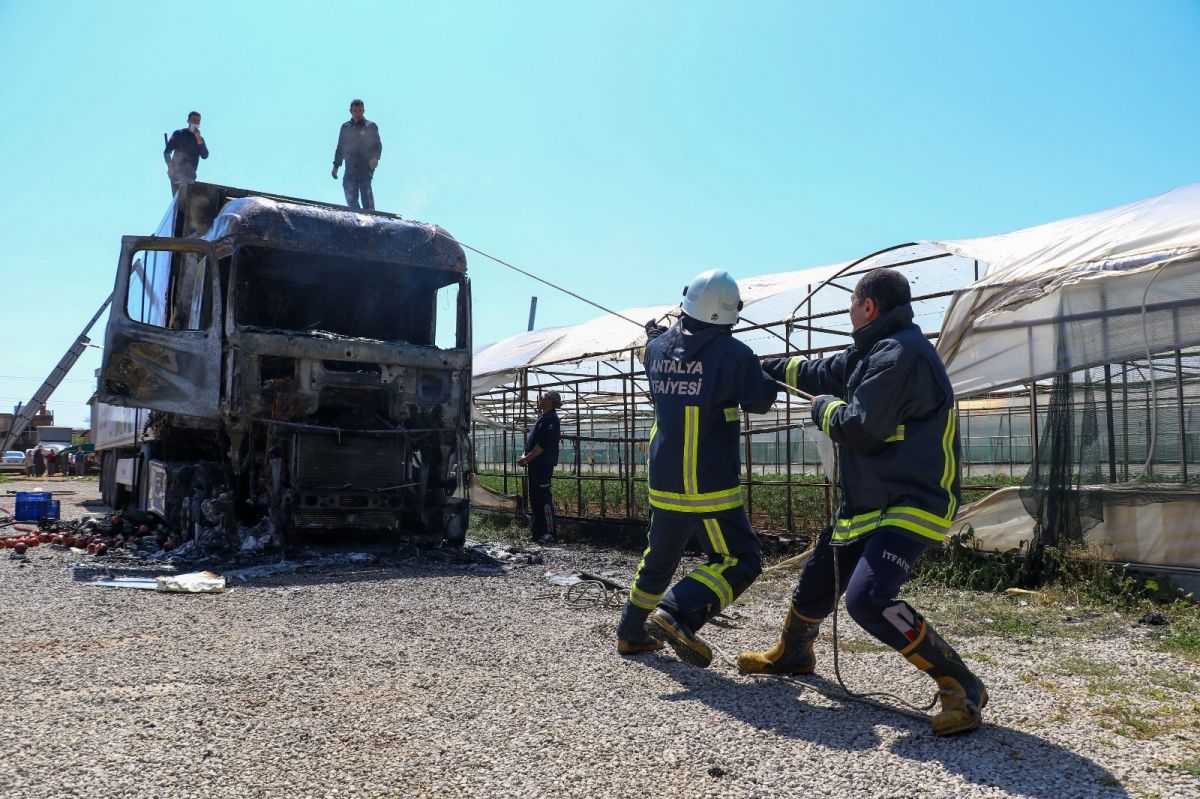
(837, 670)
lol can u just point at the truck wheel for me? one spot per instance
(107, 463)
(111, 494)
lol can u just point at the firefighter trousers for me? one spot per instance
(733, 564)
(872, 569)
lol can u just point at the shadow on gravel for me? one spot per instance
(1016, 762)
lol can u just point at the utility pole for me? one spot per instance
(532, 311)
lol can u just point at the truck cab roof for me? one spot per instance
(231, 217)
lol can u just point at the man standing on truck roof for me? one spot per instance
(540, 457)
(359, 146)
(184, 150)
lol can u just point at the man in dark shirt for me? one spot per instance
(184, 150)
(359, 146)
(541, 456)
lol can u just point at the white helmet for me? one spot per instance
(712, 297)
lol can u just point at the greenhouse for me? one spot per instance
(1074, 349)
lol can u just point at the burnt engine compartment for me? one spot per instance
(316, 450)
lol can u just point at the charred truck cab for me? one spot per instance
(297, 369)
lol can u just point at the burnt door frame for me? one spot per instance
(163, 369)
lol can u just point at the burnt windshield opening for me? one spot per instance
(296, 292)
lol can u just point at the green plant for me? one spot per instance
(1084, 667)
(1182, 636)
(489, 528)
(1190, 767)
(1173, 680)
(962, 563)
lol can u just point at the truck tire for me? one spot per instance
(111, 494)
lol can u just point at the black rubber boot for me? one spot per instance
(631, 633)
(792, 654)
(963, 694)
(689, 646)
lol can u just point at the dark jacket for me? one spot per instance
(699, 376)
(544, 433)
(358, 144)
(183, 151)
(891, 409)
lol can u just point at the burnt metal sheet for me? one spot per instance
(327, 347)
(351, 234)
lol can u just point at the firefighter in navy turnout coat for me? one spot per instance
(701, 378)
(888, 404)
(540, 457)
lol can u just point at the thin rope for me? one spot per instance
(532, 276)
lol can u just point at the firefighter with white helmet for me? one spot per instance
(701, 379)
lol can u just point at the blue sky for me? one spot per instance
(616, 147)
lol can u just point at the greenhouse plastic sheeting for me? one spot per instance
(1075, 293)
(1154, 534)
(767, 298)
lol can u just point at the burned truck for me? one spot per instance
(290, 368)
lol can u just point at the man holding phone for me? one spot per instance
(184, 150)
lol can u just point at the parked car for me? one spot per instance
(13, 461)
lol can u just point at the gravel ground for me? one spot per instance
(426, 677)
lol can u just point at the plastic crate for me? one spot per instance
(33, 506)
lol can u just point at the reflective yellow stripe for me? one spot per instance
(698, 506)
(653, 431)
(636, 595)
(792, 372)
(732, 415)
(897, 436)
(696, 503)
(922, 522)
(950, 467)
(691, 435)
(716, 537)
(723, 584)
(644, 600)
(829, 409)
(707, 576)
(724, 493)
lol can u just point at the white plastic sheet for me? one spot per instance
(1076, 293)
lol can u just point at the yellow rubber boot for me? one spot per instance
(792, 654)
(962, 694)
(634, 647)
(631, 634)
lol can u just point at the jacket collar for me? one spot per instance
(883, 325)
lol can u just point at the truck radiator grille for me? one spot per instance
(333, 519)
(354, 462)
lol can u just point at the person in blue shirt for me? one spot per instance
(540, 458)
(701, 379)
(888, 404)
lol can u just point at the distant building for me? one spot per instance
(28, 438)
